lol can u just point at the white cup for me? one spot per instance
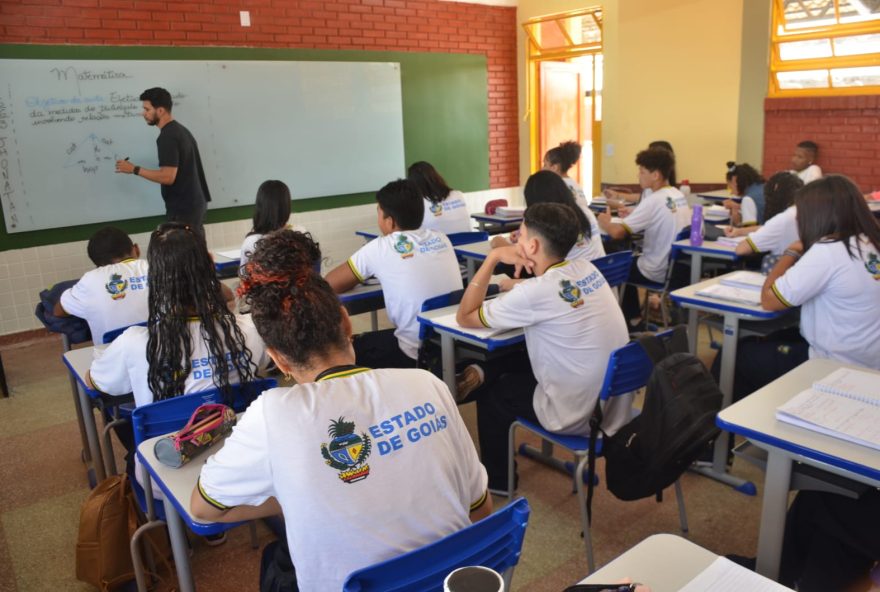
(473, 579)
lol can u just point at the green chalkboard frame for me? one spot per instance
(445, 119)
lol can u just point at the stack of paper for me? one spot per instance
(510, 211)
(723, 575)
(744, 279)
(730, 241)
(716, 213)
(845, 404)
(732, 294)
(448, 320)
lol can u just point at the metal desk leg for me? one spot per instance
(85, 405)
(447, 355)
(374, 320)
(694, 315)
(177, 534)
(471, 267)
(773, 510)
(87, 454)
(481, 225)
(718, 470)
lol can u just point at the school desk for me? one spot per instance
(732, 313)
(367, 297)
(667, 563)
(450, 334)
(718, 195)
(367, 235)
(496, 223)
(227, 261)
(755, 418)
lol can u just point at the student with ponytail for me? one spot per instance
(343, 452)
(560, 160)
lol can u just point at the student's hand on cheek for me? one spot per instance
(499, 241)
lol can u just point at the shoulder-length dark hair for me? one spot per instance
(779, 193)
(431, 185)
(833, 209)
(745, 174)
(272, 209)
(548, 187)
(184, 287)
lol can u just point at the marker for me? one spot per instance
(126, 158)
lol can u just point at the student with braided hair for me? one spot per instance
(364, 464)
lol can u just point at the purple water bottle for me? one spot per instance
(697, 226)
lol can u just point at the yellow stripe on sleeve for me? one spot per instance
(780, 296)
(209, 499)
(627, 228)
(747, 224)
(752, 245)
(355, 271)
(479, 503)
(482, 316)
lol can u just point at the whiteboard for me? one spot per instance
(324, 128)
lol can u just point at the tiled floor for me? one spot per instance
(44, 482)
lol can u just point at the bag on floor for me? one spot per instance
(677, 421)
(107, 520)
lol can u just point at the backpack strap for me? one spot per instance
(595, 429)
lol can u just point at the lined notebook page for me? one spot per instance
(745, 279)
(723, 575)
(732, 294)
(855, 384)
(839, 417)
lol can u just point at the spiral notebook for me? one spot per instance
(845, 404)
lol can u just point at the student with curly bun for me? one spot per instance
(271, 212)
(364, 464)
(445, 208)
(748, 184)
(779, 193)
(560, 160)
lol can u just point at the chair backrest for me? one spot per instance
(111, 336)
(615, 267)
(163, 417)
(629, 368)
(466, 238)
(495, 542)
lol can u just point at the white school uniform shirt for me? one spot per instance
(748, 211)
(776, 234)
(122, 368)
(581, 198)
(399, 472)
(572, 322)
(588, 248)
(660, 216)
(448, 216)
(838, 296)
(250, 241)
(412, 266)
(110, 297)
(811, 173)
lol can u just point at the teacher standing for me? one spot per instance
(180, 172)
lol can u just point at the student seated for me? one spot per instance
(445, 208)
(114, 295)
(833, 274)
(572, 323)
(779, 193)
(189, 329)
(271, 212)
(559, 160)
(802, 162)
(660, 217)
(364, 464)
(548, 187)
(745, 182)
(620, 197)
(412, 265)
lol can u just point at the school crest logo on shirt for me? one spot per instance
(436, 208)
(404, 246)
(570, 293)
(347, 451)
(116, 286)
(670, 203)
(873, 265)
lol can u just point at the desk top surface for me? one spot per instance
(79, 360)
(361, 291)
(709, 248)
(499, 339)
(688, 298)
(497, 218)
(755, 418)
(718, 195)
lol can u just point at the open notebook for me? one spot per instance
(448, 320)
(845, 404)
(737, 294)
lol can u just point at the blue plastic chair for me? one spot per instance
(466, 238)
(662, 288)
(615, 267)
(494, 542)
(163, 417)
(628, 370)
(110, 336)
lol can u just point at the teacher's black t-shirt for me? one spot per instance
(186, 198)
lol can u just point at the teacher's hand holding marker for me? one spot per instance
(123, 166)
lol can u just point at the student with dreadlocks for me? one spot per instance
(190, 328)
(343, 452)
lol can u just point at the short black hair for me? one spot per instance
(401, 201)
(548, 187)
(657, 159)
(108, 245)
(158, 97)
(272, 208)
(428, 181)
(555, 224)
(810, 146)
(661, 144)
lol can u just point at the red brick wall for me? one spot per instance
(847, 130)
(381, 25)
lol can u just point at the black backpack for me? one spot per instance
(677, 422)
